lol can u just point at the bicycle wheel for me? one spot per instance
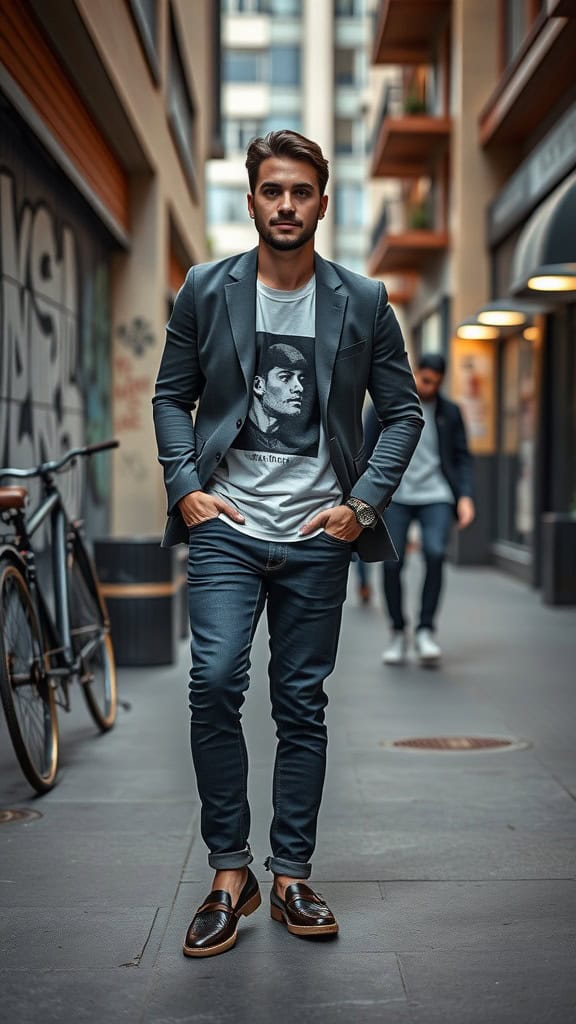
(27, 696)
(91, 640)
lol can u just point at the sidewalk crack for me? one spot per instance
(135, 962)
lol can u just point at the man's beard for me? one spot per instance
(278, 242)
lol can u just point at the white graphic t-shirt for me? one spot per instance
(277, 472)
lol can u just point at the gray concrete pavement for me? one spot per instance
(452, 874)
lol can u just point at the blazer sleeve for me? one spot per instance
(178, 387)
(397, 406)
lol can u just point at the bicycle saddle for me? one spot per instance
(13, 497)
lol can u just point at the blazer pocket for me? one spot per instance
(351, 350)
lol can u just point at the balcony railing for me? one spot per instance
(404, 236)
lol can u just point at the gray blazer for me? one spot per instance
(210, 356)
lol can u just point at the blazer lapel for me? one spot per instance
(331, 300)
(241, 303)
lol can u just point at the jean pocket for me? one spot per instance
(335, 540)
(198, 526)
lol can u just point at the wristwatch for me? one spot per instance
(366, 516)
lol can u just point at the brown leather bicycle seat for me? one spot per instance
(13, 497)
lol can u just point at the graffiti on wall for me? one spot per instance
(42, 403)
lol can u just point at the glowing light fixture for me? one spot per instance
(471, 330)
(502, 313)
(531, 333)
(555, 277)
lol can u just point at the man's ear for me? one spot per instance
(250, 199)
(323, 207)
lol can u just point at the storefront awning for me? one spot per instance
(547, 245)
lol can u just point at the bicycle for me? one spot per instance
(41, 652)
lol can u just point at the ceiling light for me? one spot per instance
(556, 277)
(471, 330)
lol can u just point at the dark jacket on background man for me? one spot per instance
(455, 459)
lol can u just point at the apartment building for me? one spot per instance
(108, 112)
(298, 64)
(477, 130)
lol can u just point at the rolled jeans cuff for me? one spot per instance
(287, 867)
(229, 861)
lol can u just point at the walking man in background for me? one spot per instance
(436, 488)
(274, 529)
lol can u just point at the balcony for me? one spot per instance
(406, 30)
(539, 77)
(408, 138)
(404, 239)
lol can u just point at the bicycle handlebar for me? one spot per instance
(55, 465)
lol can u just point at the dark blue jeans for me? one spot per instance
(435, 523)
(231, 579)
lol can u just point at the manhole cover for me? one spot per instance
(456, 743)
(16, 815)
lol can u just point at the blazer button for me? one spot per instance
(238, 424)
(218, 456)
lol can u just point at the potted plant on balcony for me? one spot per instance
(414, 104)
(419, 218)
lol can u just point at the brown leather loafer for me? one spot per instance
(214, 927)
(303, 911)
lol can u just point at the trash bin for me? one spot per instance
(558, 559)
(142, 585)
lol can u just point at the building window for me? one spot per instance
(245, 66)
(227, 205)
(145, 14)
(246, 6)
(181, 112)
(290, 122)
(344, 135)
(518, 16)
(348, 8)
(285, 65)
(286, 8)
(349, 201)
(344, 66)
(238, 134)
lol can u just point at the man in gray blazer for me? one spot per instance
(274, 525)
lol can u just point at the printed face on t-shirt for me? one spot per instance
(281, 391)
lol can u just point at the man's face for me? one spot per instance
(428, 383)
(281, 393)
(286, 205)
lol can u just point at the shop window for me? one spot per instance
(285, 65)
(145, 14)
(520, 381)
(243, 66)
(181, 111)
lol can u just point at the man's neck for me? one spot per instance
(286, 271)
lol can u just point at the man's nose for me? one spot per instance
(286, 201)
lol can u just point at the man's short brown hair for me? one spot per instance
(286, 143)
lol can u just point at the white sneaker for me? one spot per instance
(426, 647)
(395, 654)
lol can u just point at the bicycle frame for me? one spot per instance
(58, 627)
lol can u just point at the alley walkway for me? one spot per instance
(452, 874)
